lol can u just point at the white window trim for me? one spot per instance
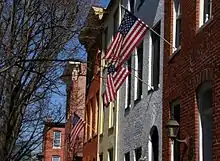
(56, 156)
(200, 140)
(129, 6)
(134, 154)
(126, 93)
(111, 115)
(150, 65)
(135, 74)
(174, 25)
(55, 147)
(201, 13)
(150, 149)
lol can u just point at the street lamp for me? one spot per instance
(172, 129)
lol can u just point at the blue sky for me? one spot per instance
(104, 3)
(61, 100)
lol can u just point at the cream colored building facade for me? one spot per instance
(108, 117)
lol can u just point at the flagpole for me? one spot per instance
(154, 31)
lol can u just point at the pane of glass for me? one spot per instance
(129, 84)
(57, 137)
(138, 152)
(116, 21)
(140, 70)
(100, 157)
(110, 154)
(127, 156)
(178, 30)
(156, 57)
(55, 158)
(207, 10)
(132, 6)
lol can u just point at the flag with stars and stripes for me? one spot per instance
(77, 125)
(130, 33)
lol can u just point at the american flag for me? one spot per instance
(130, 34)
(77, 125)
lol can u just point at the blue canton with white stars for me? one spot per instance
(75, 120)
(111, 69)
(127, 22)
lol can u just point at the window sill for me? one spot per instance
(137, 100)
(153, 89)
(127, 110)
(176, 52)
(110, 130)
(56, 147)
(204, 25)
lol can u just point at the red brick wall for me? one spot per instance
(76, 104)
(49, 151)
(197, 61)
(90, 150)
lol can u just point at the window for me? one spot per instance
(127, 156)
(101, 157)
(110, 154)
(138, 152)
(175, 113)
(116, 21)
(204, 101)
(153, 144)
(131, 3)
(205, 11)
(128, 87)
(138, 72)
(57, 139)
(106, 39)
(177, 24)
(55, 158)
(140, 4)
(105, 43)
(156, 58)
(101, 116)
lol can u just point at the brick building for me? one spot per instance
(75, 78)
(53, 144)
(191, 93)
(90, 36)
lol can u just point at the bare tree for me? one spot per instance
(33, 33)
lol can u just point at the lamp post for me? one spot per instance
(172, 130)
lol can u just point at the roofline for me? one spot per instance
(55, 124)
